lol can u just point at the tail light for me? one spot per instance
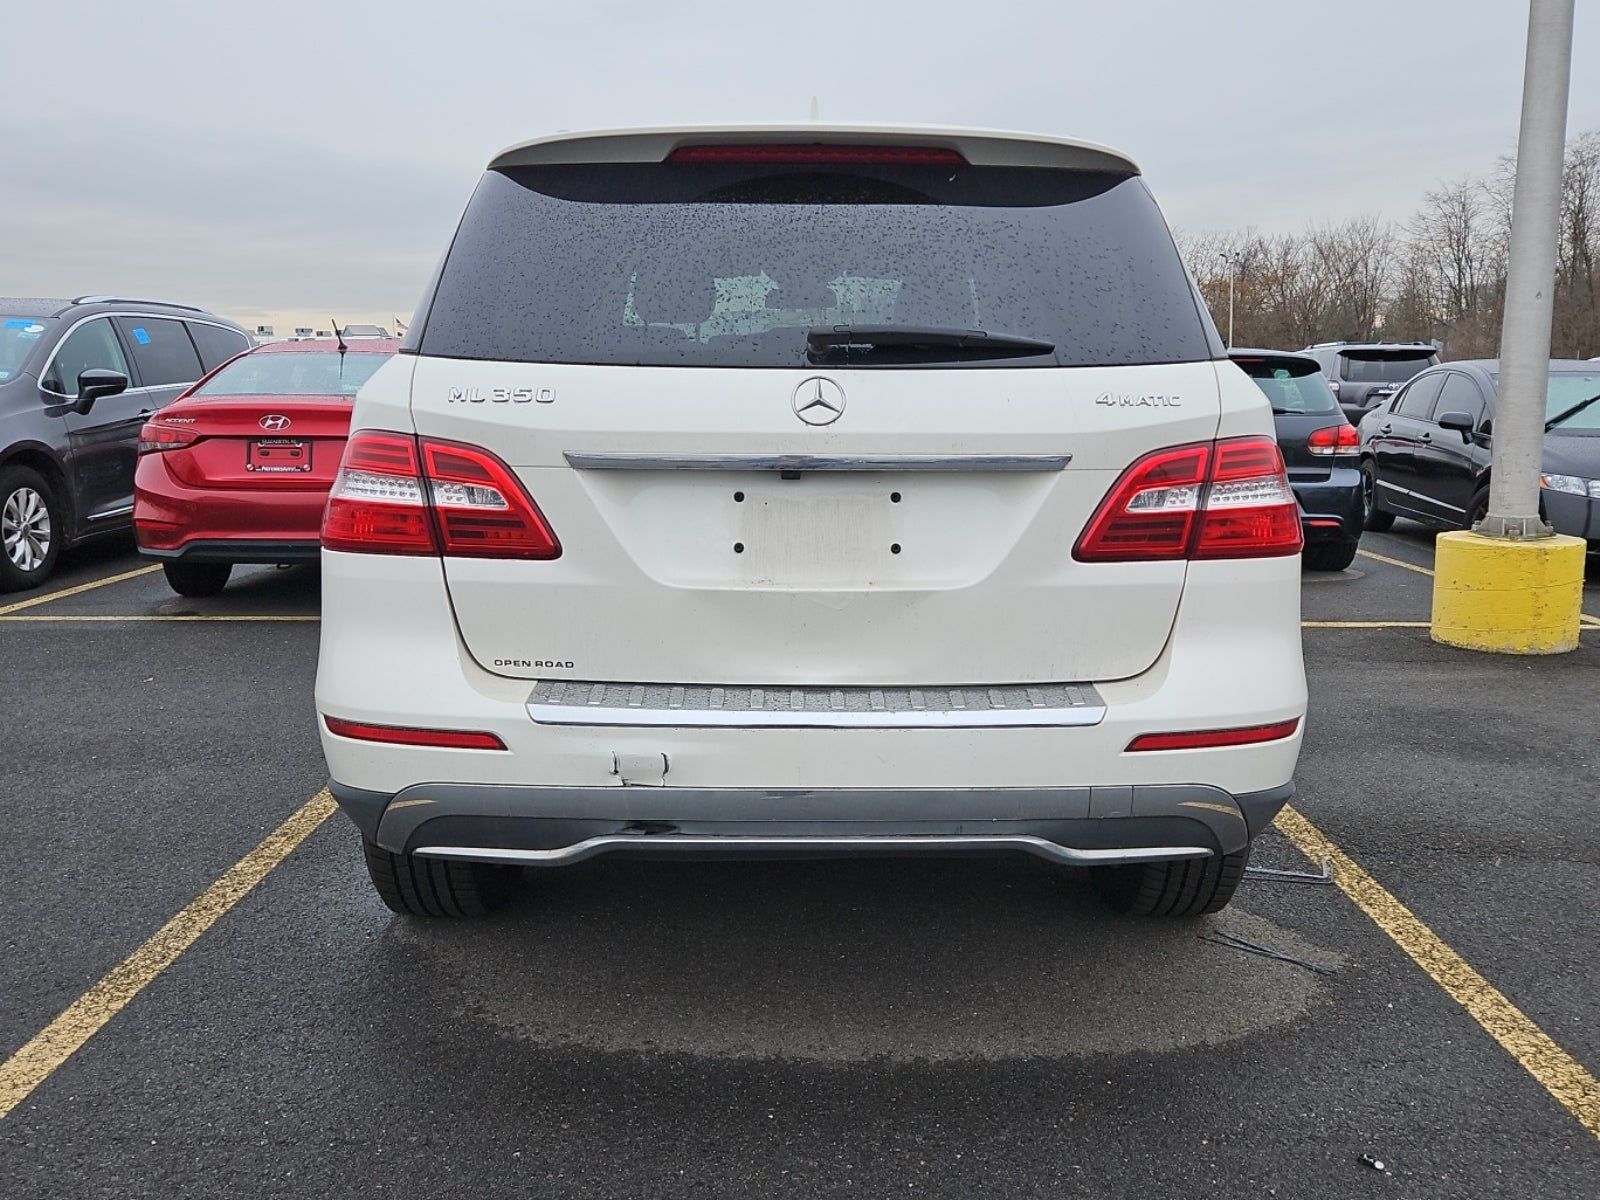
(399, 494)
(1224, 499)
(157, 438)
(1335, 441)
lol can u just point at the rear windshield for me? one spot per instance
(1385, 366)
(1290, 386)
(731, 265)
(18, 337)
(289, 374)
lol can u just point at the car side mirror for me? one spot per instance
(1461, 422)
(96, 383)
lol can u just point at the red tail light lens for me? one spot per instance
(482, 508)
(1225, 499)
(1207, 739)
(405, 735)
(377, 504)
(1335, 440)
(821, 155)
(396, 494)
(157, 438)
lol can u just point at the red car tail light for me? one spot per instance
(398, 494)
(378, 504)
(1207, 739)
(1334, 440)
(405, 735)
(482, 509)
(817, 154)
(1224, 499)
(157, 438)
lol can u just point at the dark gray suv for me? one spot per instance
(1363, 375)
(78, 378)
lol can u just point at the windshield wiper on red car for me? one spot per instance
(924, 337)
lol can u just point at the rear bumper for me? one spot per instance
(1330, 509)
(555, 826)
(237, 550)
(173, 520)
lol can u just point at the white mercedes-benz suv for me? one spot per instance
(809, 490)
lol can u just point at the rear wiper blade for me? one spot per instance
(1568, 414)
(824, 336)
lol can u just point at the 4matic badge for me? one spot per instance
(1133, 400)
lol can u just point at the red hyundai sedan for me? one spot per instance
(237, 469)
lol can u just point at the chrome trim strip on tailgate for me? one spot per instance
(676, 843)
(817, 462)
(562, 702)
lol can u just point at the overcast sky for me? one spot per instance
(282, 161)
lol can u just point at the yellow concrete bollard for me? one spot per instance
(1508, 597)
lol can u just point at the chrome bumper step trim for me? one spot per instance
(689, 845)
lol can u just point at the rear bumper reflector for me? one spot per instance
(1207, 739)
(403, 735)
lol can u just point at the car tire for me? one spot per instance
(1329, 556)
(197, 578)
(437, 887)
(1373, 517)
(1180, 887)
(32, 526)
(1478, 508)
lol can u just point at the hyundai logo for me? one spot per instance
(818, 401)
(274, 422)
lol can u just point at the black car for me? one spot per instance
(1426, 454)
(1363, 375)
(78, 378)
(1320, 449)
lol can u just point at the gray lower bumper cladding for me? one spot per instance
(557, 826)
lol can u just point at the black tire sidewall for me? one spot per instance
(197, 579)
(12, 577)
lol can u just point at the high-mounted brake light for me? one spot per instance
(398, 494)
(1207, 500)
(819, 154)
(406, 735)
(1334, 440)
(156, 438)
(1209, 739)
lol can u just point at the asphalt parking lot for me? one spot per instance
(905, 1027)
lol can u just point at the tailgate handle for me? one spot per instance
(639, 770)
(817, 462)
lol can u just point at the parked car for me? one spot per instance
(811, 490)
(237, 469)
(77, 380)
(1321, 450)
(1362, 375)
(1426, 454)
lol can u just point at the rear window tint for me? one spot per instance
(731, 265)
(1384, 366)
(216, 344)
(161, 350)
(1290, 386)
(285, 373)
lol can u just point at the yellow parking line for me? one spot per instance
(1365, 625)
(1394, 562)
(84, 1017)
(42, 618)
(1557, 1071)
(19, 605)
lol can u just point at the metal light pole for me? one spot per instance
(1530, 277)
(1513, 585)
(1231, 257)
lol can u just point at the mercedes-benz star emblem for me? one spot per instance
(818, 401)
(274, 421)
